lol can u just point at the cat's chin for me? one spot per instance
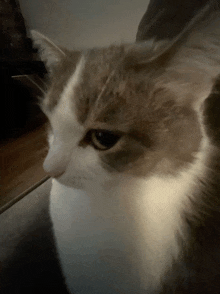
(74, 183)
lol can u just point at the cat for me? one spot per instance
(135, 195)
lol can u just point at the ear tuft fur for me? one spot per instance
(49, 53)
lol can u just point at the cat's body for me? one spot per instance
(137, 181)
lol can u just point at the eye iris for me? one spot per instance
(104, 139)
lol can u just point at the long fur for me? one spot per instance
(142, 216)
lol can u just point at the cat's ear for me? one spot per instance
(153, 50)
(140, 55)
(195, 64)
(189, 64)
(49, 53)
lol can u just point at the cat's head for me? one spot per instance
(127, 111)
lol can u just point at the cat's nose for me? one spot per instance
(54, 165)
(54, 173)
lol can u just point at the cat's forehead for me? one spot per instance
(107, 91)
(97, 64)
(102, 89)
(119, 97)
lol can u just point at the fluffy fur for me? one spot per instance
(137, 217)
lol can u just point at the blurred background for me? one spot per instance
(85, 23)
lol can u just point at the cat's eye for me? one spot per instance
(103, 139)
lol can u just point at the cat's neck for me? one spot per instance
(147, 213)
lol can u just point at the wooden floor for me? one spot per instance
(21, 164)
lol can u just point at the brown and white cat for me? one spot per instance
(135, 197)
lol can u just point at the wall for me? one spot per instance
(85, 23)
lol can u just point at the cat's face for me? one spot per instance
(113, 116)
(108, 123)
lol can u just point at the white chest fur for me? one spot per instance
(109, 246)
(94, 252)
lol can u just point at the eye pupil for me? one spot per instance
(104, 140)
